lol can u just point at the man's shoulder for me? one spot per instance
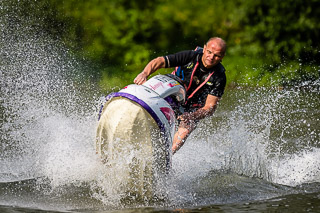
(181, 58)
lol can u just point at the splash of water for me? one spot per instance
(265, 134)
(49, 118)
(48, 123)
(49, 111)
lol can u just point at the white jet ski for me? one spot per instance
(136, 128)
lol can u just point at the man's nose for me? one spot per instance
(211, 56)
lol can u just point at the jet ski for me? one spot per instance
(136, 128)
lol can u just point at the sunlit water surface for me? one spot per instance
(259, 152)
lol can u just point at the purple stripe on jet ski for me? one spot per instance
(140, 102)
(151, 112)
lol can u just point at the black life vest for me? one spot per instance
(186, 73)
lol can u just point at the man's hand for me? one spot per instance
(151, 67)
(141, 78)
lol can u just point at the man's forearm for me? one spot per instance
(201, 114)
(154, 65)
(198, 114)
(151, 67)
(207, 110)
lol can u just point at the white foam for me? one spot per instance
(297, 169)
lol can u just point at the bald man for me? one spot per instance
(204, 76)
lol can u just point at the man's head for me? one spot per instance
(213, 52)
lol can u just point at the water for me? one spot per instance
(260, 151)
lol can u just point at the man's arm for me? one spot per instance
(207, 110)
(151, 67)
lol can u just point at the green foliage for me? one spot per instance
(112, 32)
(283, 29)
(269, 42)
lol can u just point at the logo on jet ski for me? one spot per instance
(156, 86)
(173, 84)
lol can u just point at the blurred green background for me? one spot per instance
(270, 43)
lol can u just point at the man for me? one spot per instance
(205, 79)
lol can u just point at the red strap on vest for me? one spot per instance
(193, 71)
(205, 81)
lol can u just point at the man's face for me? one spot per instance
(212, 54)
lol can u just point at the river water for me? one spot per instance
(260, 152)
